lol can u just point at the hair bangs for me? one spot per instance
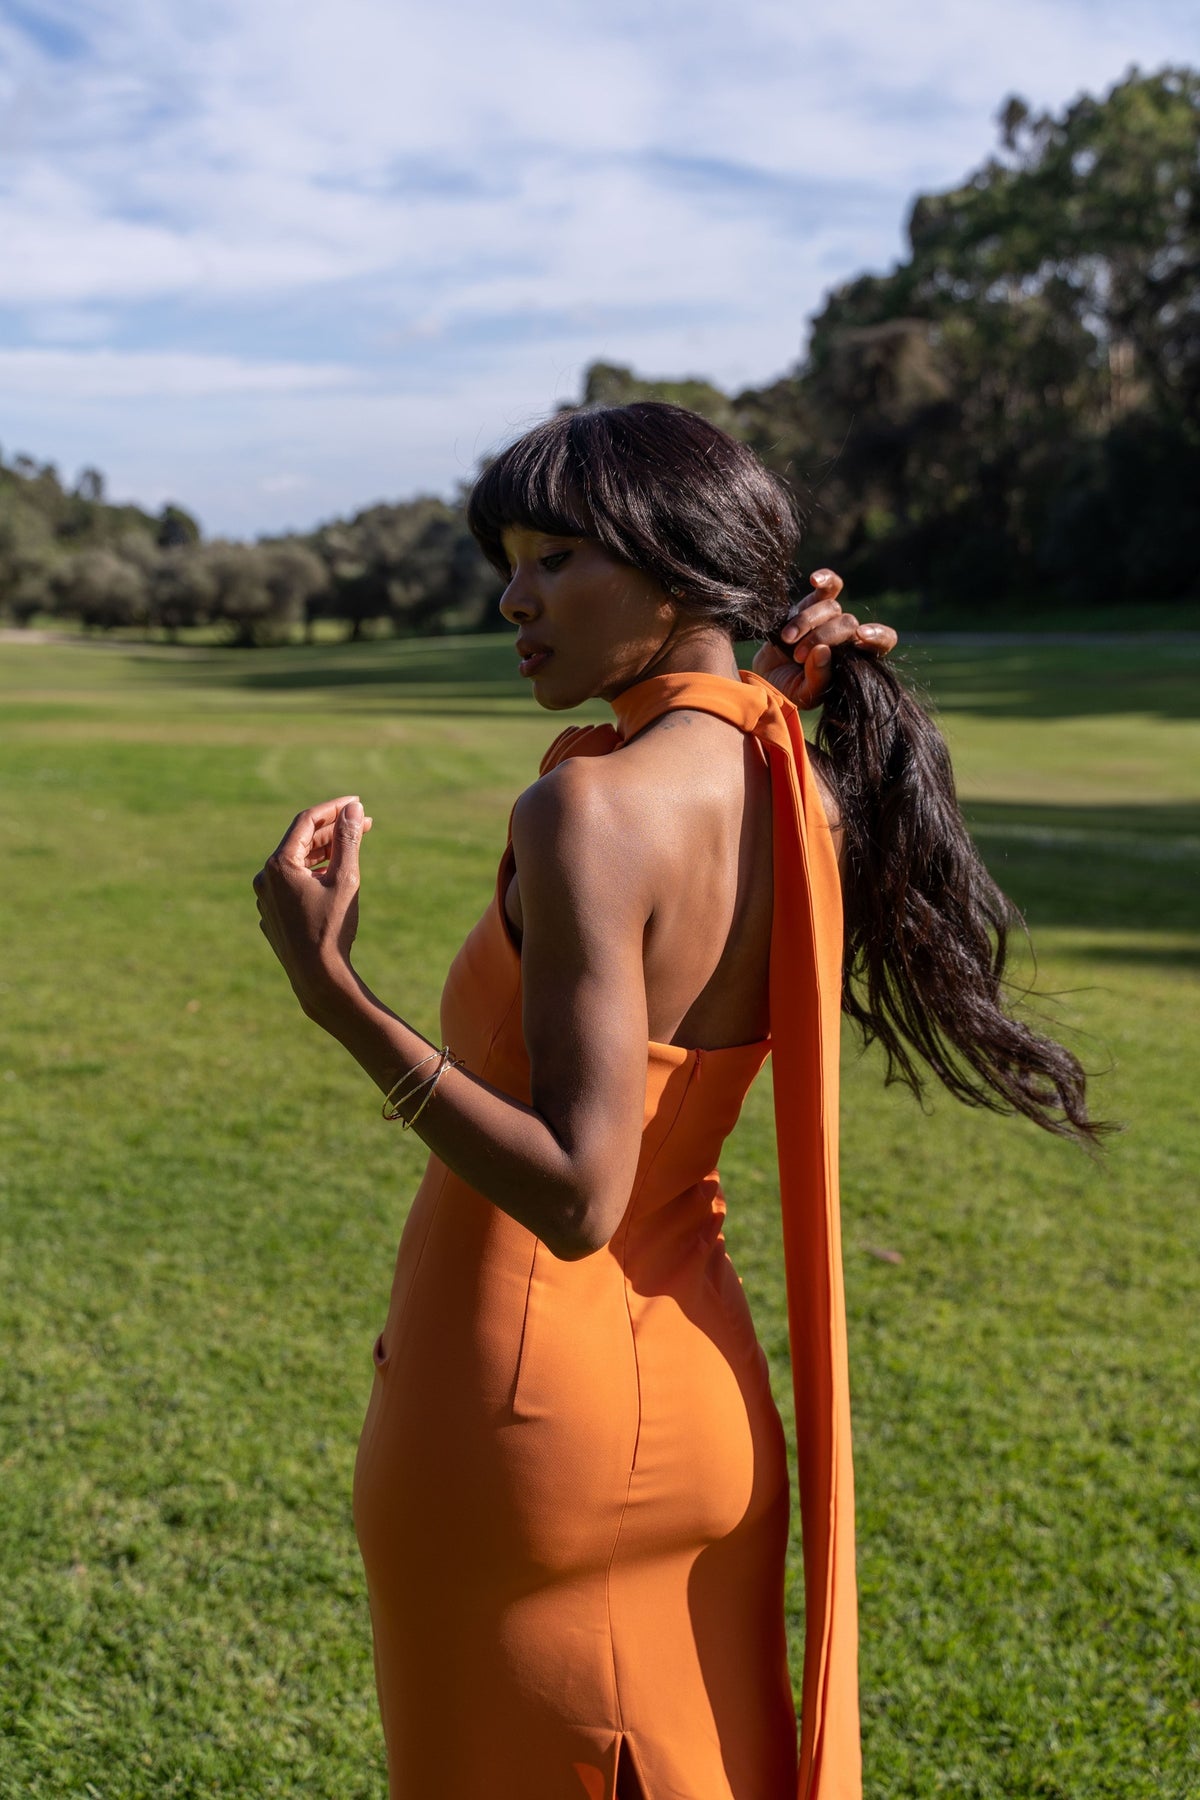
(533, 486)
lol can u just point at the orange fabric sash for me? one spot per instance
(805, 1003)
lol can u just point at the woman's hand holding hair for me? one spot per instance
(308, 898)
(800, 665)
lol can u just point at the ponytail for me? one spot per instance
(926, 927)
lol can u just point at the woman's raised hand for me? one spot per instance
(801, 666)
(307, 893)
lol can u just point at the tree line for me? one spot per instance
(1014, 408)
(411, 568)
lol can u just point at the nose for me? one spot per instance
(517, 603)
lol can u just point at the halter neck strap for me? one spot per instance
(805, 1002)
(740, 702)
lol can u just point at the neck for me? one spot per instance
(702, 650)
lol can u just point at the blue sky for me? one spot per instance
(277, 259)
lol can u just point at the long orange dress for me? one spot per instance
(571, 1493)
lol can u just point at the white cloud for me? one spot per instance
(305, 144)
(84, 375)
(283, 484)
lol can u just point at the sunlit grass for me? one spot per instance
(200, 1208)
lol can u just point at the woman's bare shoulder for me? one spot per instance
(605, 813)
(575, 805)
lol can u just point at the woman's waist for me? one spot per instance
(659, 1226)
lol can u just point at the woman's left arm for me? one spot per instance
(800, 661)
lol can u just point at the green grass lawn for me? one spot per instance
(200, 1208)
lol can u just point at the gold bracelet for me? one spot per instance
(401, 1091)
(447, 1061)
(413, 1083)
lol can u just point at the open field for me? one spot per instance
(199, 1207)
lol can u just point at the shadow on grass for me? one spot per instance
(1040, 681)
(1148, 956)
(451, 674)
(1130, 867)
(478, 673)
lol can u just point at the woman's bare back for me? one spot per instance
(694, 797)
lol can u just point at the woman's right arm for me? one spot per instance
(564, 1165)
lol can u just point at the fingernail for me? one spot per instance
(819, 577)
(353, 813)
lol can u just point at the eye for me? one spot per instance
(555, 560)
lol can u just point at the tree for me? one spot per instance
(294, 577)
(89, 485)
(25, 584)
(184, 590)
(99, 588)
(251, 592)
(176, 529)
(1098, 214)
(958, 409)
(414, 564)
(610, 384)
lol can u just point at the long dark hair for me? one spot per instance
(926, 927)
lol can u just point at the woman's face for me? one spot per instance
(587, 625)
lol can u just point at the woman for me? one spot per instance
(571, 1493)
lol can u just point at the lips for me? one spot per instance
(532, 657)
